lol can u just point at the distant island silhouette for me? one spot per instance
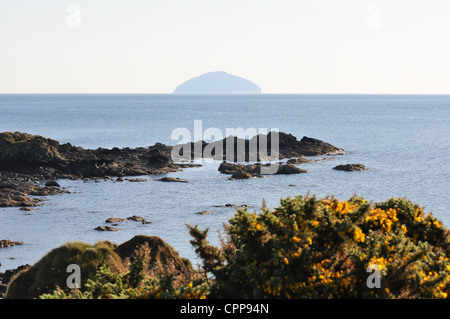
(217, 83)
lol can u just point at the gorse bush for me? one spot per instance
(322, 248)
(305, 248)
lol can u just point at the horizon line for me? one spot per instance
(206, 94)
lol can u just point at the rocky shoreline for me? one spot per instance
(30, 165)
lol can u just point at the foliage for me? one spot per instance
(305, 248)
(322, 248)
(51, 270)
(137, 283)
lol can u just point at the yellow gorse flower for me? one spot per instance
(383, 218)
(358, 235)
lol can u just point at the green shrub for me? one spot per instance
(136, 282)
(107, 270)
(321, 248)
(51, 271)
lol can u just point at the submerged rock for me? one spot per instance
(172, 179)
(350, 167)
(204, 212)
(137, 180)
(106, 228)
(115, 220)
(9, 243)
(132, 218)
(138, 219)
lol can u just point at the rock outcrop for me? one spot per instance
(47, 159)
(22, 148)
(241, 171)
(26, 160)
(255, 149)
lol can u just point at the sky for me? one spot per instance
(283, 46)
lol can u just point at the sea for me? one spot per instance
(403, 140)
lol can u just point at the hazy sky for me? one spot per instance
(284, 46)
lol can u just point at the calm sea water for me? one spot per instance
(404, 140)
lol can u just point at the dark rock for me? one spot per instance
(172, 179)
(20, 148)
(138, 219)
(52, 183)
(313, 147)
(106, 228)
(350, 167)
(160, 154)
(137, 180)
(300, 160)
(13, 198)
(8, 243)
(27, 209)
(132, 218)
(290, 169)
(240, 174)
(228, 168)
(115, 220)
(240, 171)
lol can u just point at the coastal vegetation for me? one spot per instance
(307, 247)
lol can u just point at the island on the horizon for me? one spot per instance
(217, 83)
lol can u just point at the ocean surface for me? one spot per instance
(404, 140)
